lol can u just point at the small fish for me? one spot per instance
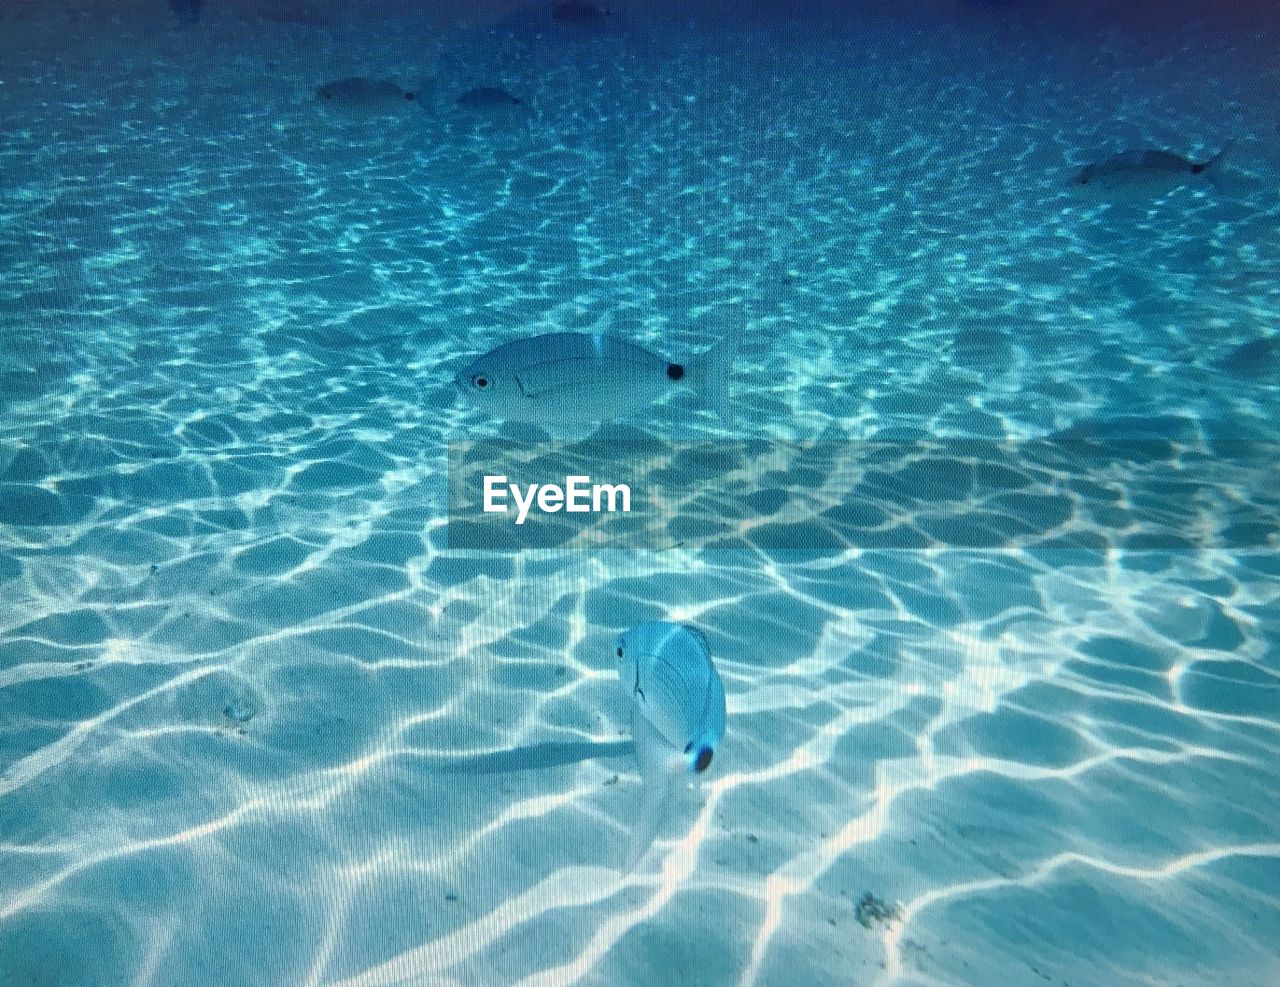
(487, 98)
(187, 11)
(677, 715)
(1153, 170)
(567, 378)
(578, 12)
(357, 93)
(316, 13)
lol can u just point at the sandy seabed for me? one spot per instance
(260, 725)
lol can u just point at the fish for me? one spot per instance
(1147, 169)
(187, 11)
(317, 13)
(578, 12)
(567, 378)
(677, 716)
(487, 98)
(360, 94)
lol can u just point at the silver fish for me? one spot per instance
(187, 11)
(677, 715)
(1148, 169)
(578, 12)
(359, 94)
(566, 378)
(487, 98)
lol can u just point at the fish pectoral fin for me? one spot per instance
(662, 768)
(653, 811)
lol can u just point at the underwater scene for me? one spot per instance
(612, 492)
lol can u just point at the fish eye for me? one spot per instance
(705, 754)
(619, 651)
(481, 381)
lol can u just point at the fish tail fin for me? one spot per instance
(661, 768)
(710, 375)
(1212, 168)
(653, 810)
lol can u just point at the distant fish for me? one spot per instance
(360, 94)
(567, 378)
(677, 715)
(487, 98)
(1253, 359)
(187, 11)
(1147, 170)
(578, 12)
(318, 13)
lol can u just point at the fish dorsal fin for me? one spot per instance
(701, 638)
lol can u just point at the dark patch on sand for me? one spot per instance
(1253, 359)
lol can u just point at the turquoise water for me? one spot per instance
(260, 724)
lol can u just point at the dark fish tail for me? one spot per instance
(709, 374)
(1213, 166)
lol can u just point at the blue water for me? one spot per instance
(260, 724)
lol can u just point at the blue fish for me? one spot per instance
(578, 378)
(677, 715)
(187, 11)
(487, 98)
(578, 12)
(363, 95)
(1148, 170)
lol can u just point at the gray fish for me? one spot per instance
(357, 93)
(487, 98)
(1146, 169)
(187, 11)
(568, 378)
(578, 12)
(317, 13)
(677, 715)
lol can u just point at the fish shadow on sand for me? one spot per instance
(1253, 360)
(534, 757)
